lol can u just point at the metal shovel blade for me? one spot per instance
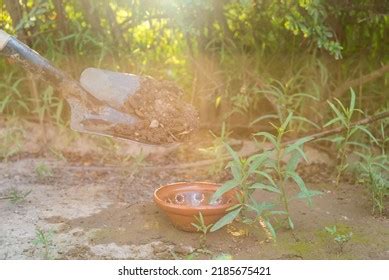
(112, 89)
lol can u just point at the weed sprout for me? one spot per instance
(343, 116)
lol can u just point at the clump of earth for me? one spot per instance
(163, 116)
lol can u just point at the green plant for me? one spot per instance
(191, 256)
(10, 141)
(49, 106)
(373, 172)
(43, 240)
(107, 146)
(223, 256)
(309, 19)
(202, 228)
(287, 98)
(16, 196)
(382, 139)
(138, 161)
(241, 103)
(340, 237)
(265, 172)
(43, 170)
(217, 150)
(11, 97)
(343, 117)
(57, 153)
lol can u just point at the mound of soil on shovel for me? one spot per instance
(163, 116)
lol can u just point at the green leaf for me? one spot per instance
(261, 186)
(291, 225)
(227, 186)
(358, 110)
(346, 111)
(233, 154)
(314, 193)
(384, 167)
(365, 157)
(22, 104)
(299, 181)
(358, 144)
(267, 176)
(198, 228)
(336, 139)
(353, 130)
(297, 144)
(338, 114)
(226, 219)
(307, 195)
(256, 161)
(268, 136)
(344, 167)
(334, 120)
(352, 101)
(259, 207)
(286, 122)
(365, 130)
(271, 164)
(331, 230)
(301, 152)
(263, 118)
(270, 228)
(305, 95)
(236, 172)
(305, 120)
(293, 162)
(233, 207)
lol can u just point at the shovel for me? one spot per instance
(95, 101)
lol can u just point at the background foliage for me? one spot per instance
(227, 54)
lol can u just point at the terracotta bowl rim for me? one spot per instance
(210, 210)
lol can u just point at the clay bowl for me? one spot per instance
(183, 201)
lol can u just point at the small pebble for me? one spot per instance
(182, 249)
(154, 124)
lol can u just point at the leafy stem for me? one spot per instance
(262, 172)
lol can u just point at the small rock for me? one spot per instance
(159, 247)
(184, 250)
(166, 255)
(154, 124)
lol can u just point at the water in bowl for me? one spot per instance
(195, 199)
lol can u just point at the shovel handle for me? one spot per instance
(36, 64)
(30, 59)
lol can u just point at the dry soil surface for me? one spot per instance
(89, 208)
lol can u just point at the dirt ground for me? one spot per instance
(90, 203)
